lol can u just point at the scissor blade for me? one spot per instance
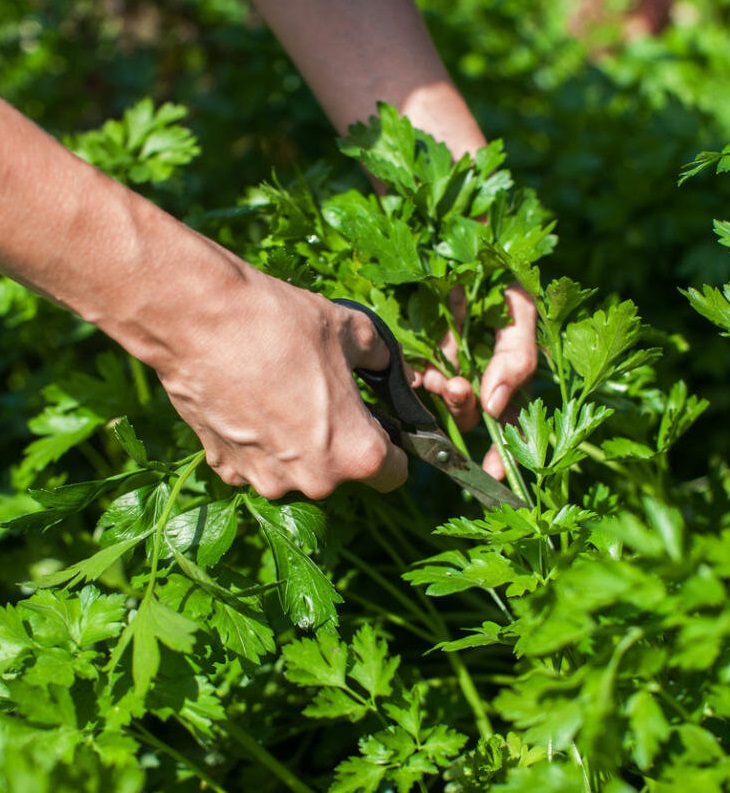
(437, 450)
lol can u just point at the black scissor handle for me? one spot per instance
(392, 385)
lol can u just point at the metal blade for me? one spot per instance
(437, 450)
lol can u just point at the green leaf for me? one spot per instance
(372, 668)
(594, 345)
(358, 775)
(154, 624)
(462, 239)
(626, 449)
(14, 637)
(62, 427)
(454, 571)
(407, 715)
(712, 304)
(316, 662)
(649, 726)
(722, 228)
(680, 412)
(129, 441)
(631, 531)
(211, 529)
(53, 666)
(336, 703)
(386, 147)
(562, 297)
(307, 595)
(144, 146)
(531, 445)
(247, 634)
(700, 642)
(134, 513)
(668, 524)
(303, 521)
(75, 497)
(386, 246)
(547, 777)
(75, 620)
(704, 160)
(442, 744)
(573, 425)
(488, 634)
(93, 567)
(189, 698)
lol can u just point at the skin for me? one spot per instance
(259, 369)
(383, 51)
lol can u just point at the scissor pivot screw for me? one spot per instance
(443, 455)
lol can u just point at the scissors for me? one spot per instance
(414, 428)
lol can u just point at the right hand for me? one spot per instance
(270, 393)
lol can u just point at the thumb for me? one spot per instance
(364, 347)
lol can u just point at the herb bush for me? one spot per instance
(162, 630)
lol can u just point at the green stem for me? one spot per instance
(466, 683)
(388, 587)
(139, 376)
(449, 422)
(555, 344)
(581, 764)
(672, 702)
(396, 619)
(179, 757)
(262, 756)
(471, 695)
(161, 522)
(599, 456)
(102, 467)
(514, 477)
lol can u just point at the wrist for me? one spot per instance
(167, 288)
(439, 109)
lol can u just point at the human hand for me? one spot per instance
(511, 366)
(270, 393)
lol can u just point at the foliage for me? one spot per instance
(161, 630)
(711, 302)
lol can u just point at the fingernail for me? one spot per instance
(456, 399)
(498, 400)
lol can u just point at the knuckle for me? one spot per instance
(223, 469)
(370, 457)
(230, 476)
(271, 490)
(214, 459)
(318, 491)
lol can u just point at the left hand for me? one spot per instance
(513, 363)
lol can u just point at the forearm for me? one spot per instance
(354, 53)
(88, 243)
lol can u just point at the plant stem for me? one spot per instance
(463, 676)
(471, 694)
(452, 430)
(396, 619)
(514, 477)
(262, 756)
(672, 702)
(161, 522)
(139, 376)
(581, 764)
(388, 587)
(179, 757)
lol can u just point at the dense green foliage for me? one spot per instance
(161, 630)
